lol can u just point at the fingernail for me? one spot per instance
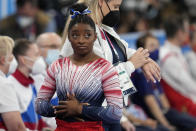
(155, 82)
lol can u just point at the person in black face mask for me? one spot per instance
(112, 18)
(111, 47)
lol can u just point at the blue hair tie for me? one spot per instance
(75, 13)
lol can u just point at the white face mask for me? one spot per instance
(13, 66)
(39, 66)
(25, 21)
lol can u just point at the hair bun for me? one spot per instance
(78, 8)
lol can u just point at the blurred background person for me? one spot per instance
(49, 45)
(27, 56)
(151, 96)
(177, 81)
(10, 118)
(28, 21)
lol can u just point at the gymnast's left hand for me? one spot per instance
(71, 107)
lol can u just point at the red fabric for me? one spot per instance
(2, 125)
(22, 78)
(178, 101)
(31, 126)
(42, 125)
(79, 126)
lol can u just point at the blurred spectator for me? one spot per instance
(177, 81)
(10, 118)
(151, 95)
(27, 56)
(49, 45)
(191, 55)
(7, 7)
(28, 22)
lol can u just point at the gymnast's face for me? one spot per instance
(82, 38)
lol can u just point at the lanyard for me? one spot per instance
(115, 52)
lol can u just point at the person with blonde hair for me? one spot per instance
(28, 58)
(109, 45)
(10, 118)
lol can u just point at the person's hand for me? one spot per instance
(151, 123)
(170, 127)
(152, 71)
(71, 107)
(128, 126)
(139, 58)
